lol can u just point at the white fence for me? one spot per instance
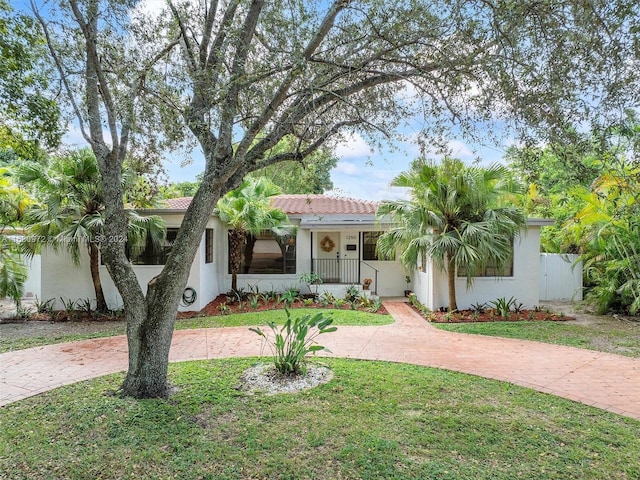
(560, 277)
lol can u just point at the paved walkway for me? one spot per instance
(610, 382)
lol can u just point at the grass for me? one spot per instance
(340, 317)
(107, 329)
(604, 334)
(373, 420)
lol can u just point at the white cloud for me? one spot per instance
(346, 168)
(73, 136)
(353, 146)
(460, 150)
(149, 9)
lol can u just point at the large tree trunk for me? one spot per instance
(94, 258)
(150, 320)
(451, 281)
(149, 341)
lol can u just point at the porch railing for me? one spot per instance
(337, 270)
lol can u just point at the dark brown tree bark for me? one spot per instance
(248, 252)
(236, 242)
(451, 283)
(94, 259)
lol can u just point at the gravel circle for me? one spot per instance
(264, 378)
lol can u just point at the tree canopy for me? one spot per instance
(14, 202)
(25, 104)
(311, 174)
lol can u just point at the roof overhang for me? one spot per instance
(540, 222)
(337, 221)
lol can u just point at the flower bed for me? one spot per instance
(468, 316)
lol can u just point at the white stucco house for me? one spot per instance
(336, 238)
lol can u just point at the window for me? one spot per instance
(268, 253)
(491, 269)
(208, 245)
(369, 246)
(147, 255)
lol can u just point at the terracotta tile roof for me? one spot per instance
(311, 204)
(181, 203)
(304, 205)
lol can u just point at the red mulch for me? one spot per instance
(489, 315)
(214, 308)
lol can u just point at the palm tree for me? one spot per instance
(13, 203)
(69, 216)
(248, 211)
(456, 216)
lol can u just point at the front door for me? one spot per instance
(349, 258)
(328, 256)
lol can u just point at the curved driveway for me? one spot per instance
(603, 380)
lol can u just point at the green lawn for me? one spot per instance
(373, 420)
(340, 317)
(604, 334)
(107, 329)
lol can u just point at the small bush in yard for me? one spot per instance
(295, 339)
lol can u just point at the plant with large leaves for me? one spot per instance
(456, 216)
(13, 203)
(248, 211)
(69, 216)
(607, 231)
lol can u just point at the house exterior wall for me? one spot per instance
(208, 280)
(60, 278)
(390, 278)
(423, 286)
(32, 284)
(523, 286)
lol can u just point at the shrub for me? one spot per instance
(254, 300)
(327, 298)
(69, 306)
(479, 307)
(295, 339)
(311, 278)
(85, 305)
(376, 305)
(290, 296)
(23, 312)
(44, 306)
(503, 306)
(352, 293)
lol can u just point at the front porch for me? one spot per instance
(344, 272)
